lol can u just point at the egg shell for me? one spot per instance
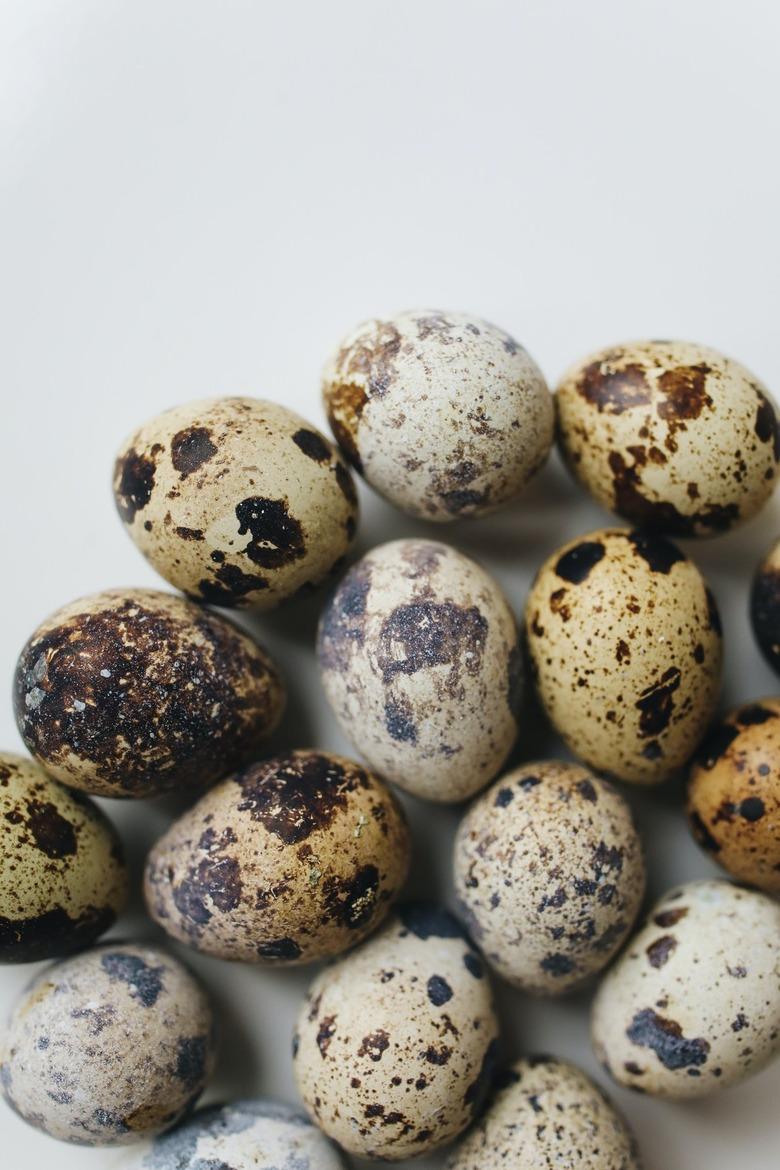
(693, 1004)
(669, 434)
(549, 875)
(421, 664)
(293, 859)
(547, 1113)
(765, 607)
(395, 1046)
(444, 414)
(625, 646)
(734, 794)
(108, 1046)
(236, 501)
(62, 872)
(133, 692)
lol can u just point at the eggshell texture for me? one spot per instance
(421, 665)
(133, 692)
(672, 435)
(107, 1047)
(549, 875)
(236, 501)
(547, 1113)
(693, 1004)
(625, 644)
(62, 874)
(444, 414)
(395, 1046)
(765, 607)
(293, 859)
(734, 794)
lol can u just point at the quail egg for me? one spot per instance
(765, 607)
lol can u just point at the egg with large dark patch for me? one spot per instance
(443, 413)
(395, 1045)
(62, 873)
(236, 501)
(293, 859)
(671, 435)
(765, 607)
(625, 646)
(133, 692)
(108, 1047)
(421, 664)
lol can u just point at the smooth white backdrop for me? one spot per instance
(200, 197)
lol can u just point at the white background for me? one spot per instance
(199, 198)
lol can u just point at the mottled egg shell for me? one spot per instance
(293, 859)
(133, 692)
(444, 414)
(107, 1047)
(395, 1045)
(734, 794)
(62, 873)
(673, 436)
(765, 607)
(625, 645)
(236, 501)
(693, 1004)
(421, 664)
(547, 1113)
(554, 849)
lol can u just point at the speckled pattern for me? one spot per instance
(549, 875)
(107, 1047)
(765, 606)
(547, 1115)
(62, 873)
(421, 664)
(693, 1004)
(734, 794)
(672, 435)
(625, 645)
(293, 859)
(444, 414)
(236, 501)
(395, 1047)
(133, 692)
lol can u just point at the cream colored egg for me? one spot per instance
(444, 414)
(625, 645)
(236, 501)
(420, 662)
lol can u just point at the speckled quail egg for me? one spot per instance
(107, 1047)
(765, 607)
(420, 662)
(396, 1043)
(547, 1113)
(625, 645)
(290, 860)
(549, 874)
(693, 1004)
(236, 501)
(133, 692)
(734, 794)
(444, 414)
(673, 436)
(62, 873)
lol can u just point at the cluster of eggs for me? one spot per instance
(302, 856)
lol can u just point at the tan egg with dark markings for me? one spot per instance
(236, 501)
(624, 640)
(765, 606)
(63, 878)
(734, 794)
(293, 859)
(671, 435)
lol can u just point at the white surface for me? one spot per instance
(198, 198)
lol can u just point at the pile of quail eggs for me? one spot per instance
(302, 857)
